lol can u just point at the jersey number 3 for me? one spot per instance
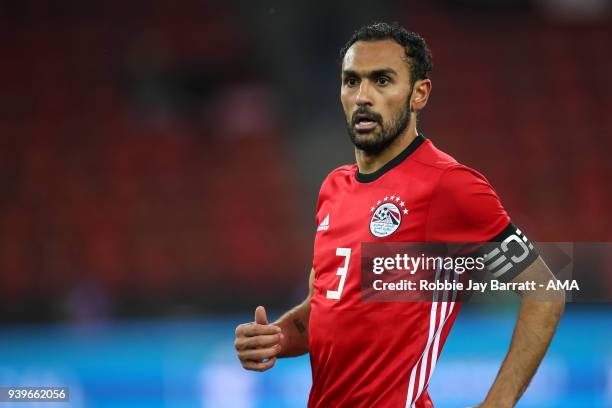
(346, 253)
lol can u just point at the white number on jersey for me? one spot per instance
(346, 253)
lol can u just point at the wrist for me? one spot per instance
(497, 402)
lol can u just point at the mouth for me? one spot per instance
(364, 122)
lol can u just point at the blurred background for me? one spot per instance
(160, 162)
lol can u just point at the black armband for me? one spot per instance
(508, 254)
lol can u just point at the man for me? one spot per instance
(382, 354)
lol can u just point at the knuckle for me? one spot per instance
(247, 345)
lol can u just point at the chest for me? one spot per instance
(361, 213)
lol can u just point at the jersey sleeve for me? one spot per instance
(328, 186)
(464, 208)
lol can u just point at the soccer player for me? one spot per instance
(401, 189)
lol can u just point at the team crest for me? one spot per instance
(387, 216)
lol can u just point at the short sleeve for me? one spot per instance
(464, 208)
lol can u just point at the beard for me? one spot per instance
(378, 139)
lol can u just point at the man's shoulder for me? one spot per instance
(431, 156)
(445, 166)
(345, 169)
(336, 181)
(445, 175)
(344, 172)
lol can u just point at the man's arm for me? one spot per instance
(258, 344)
(294, 326)
(534, 329)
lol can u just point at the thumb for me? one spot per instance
(260, 315)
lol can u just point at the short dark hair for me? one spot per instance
(419, 55)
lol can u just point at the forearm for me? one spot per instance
(294, 325)
(533, 332)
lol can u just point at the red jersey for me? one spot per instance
(382, 354)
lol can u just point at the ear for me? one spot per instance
(420, 94)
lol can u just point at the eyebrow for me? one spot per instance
(370, 74)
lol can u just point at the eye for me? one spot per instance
(351, 81)
(382, 80)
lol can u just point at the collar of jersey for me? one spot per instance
(369, 177)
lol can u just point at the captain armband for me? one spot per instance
(508, 254)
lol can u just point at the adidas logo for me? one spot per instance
(324, 225)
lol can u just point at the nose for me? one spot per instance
(363, 95)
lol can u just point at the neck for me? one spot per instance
(370, 162)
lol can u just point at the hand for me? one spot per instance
(258, 343)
